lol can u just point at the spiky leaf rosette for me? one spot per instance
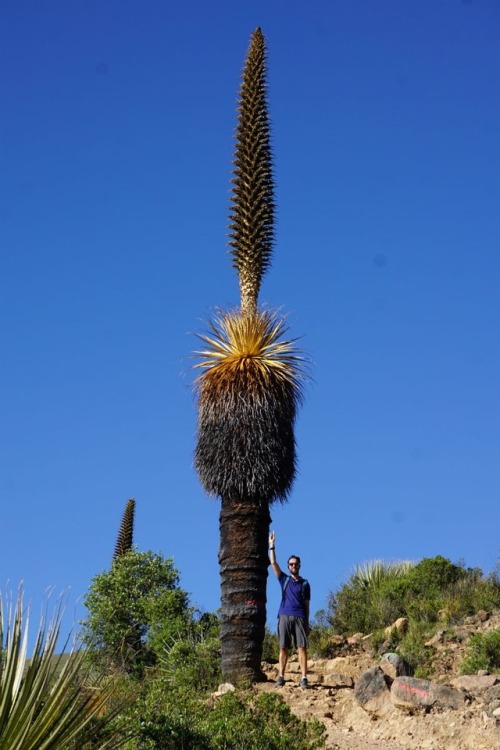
(252, 210)
(125, 538)
(248, 395)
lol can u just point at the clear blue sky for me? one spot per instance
(116, 145)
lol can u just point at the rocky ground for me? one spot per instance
(473, 725)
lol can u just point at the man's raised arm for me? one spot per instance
(272, 554)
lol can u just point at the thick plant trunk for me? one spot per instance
(243, 559)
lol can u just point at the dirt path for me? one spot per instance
(350, 728)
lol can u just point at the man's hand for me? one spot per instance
(272, 539)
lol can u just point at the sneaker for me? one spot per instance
(280, 681)
(303, 683)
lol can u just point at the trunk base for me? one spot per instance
(243, 558)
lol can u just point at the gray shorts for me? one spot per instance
(292, 631)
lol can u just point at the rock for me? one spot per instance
(337, 680)
(474, 683)
(436, 639)
(496, 713)
(317, 665)
(411, 693)
(491, 697)
(371, 692)
(394, 665)
(226, 687)
(384, 647)
(483, 616)
(349, 665)
(337, 640)
(400, 626)
(355, 638)
(446, 697)
(494, 693)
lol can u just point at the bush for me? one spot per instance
(370, 599)
(270, 647)
(435, 588)
(133, 609)
(255, 721)
(191, 658)
(246, 721)
(413, 649)
(483, 653)
(320, 644)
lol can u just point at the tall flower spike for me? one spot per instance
(252, 201)
(125, 538)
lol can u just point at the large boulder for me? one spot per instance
(411, 694)
(372, 692)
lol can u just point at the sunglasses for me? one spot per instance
(294, 565)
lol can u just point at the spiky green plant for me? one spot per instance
(248, 390)
(373, 572)
(125, 537)
(48, 702)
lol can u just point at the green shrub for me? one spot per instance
(411, 646)
(433, 574)
(483, 653)
(370, 599)
(320, 639)
(270, 647)
(377, 594)
(259, 720)
(175, 719)
(167, 718)
(191, 657)
(133, 608)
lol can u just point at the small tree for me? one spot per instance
(132, 608)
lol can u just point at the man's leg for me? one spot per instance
(283, 660)
(303, 661)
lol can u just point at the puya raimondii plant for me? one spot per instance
(248, 389)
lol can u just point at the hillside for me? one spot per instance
(474, 724)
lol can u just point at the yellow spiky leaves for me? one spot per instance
(252, 345)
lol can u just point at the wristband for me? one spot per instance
(271, 548)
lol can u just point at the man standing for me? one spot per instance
(293, 615)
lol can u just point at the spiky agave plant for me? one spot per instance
(50, 702)
(248, 390)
